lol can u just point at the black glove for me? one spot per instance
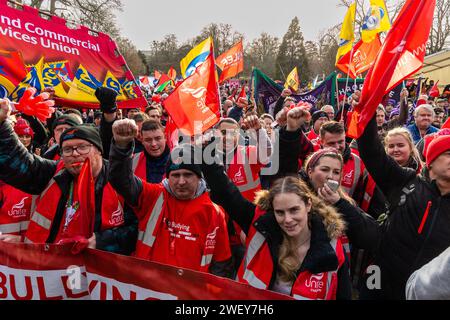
(107, 98)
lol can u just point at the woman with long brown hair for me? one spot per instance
(293, 238)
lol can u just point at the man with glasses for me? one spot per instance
(56, 217)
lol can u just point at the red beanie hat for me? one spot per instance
(23, 128)
(438, 146)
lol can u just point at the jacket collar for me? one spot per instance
(321, 257)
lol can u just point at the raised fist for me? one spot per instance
(5, 109)
(107, 99)
(296, 117)
(251, 121)
(124, 131)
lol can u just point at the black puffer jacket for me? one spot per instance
(31, 174)
(404, 247)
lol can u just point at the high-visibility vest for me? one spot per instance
(312, 135)
(194, 245)
(15, 210)
(139, 165)
(353, 170)
(47, 204)
(258, 265)
(244, 171)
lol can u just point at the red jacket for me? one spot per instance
(15, 209)
(47, 205)
(183, 233)
(257, 268)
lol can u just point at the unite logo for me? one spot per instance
(348, 178)
(238, 177)
(18, 210)
(315, 283)
(117, 217)
(200, 95)
(211, 238)
(399, 48)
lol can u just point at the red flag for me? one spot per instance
(231, 62)
(171, 132)
(172, 73)
(242, 94)
(157, 74)
(434, 91)
(401, 55)
(163, 79)
(363, 57)
(446, 124)
(86, 199)
(195, 105)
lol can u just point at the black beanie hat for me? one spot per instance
(319, 114)
(84, 132)
(184, 157)
(65, 119)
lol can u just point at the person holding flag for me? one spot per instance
(69, 208)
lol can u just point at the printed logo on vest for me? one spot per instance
(348, 178)
(116, 217)
(211, 239)
(239, 177)
(315, 283)
(18, 210)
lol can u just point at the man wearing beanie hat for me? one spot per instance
(417, 225)
(59, 125)
(318, 119)
(179, 225)
(57, 217)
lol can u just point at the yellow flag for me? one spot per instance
(292, 80)
(51, 79)
(112, 83)
(375, 21)
(195, 57)
(347, 35)
(33, 79)
(83, 86)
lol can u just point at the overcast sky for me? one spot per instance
(143, 21)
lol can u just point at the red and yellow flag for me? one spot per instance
(231, 62)
(401, 55)
(194, 105)
(363, 57)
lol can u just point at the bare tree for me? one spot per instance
(262, 53)
(95, 14)
(440, 30)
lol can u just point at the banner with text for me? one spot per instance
(45, 52)
(53, 272)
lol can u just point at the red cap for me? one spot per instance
(438, 146)
(23, 128)
(421, 102)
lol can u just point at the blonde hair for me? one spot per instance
(288, 260)
(414, 154)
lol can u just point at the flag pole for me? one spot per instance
(350, 61)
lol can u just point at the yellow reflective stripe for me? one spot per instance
(147, 236)
(206, 260)
(41, 220)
